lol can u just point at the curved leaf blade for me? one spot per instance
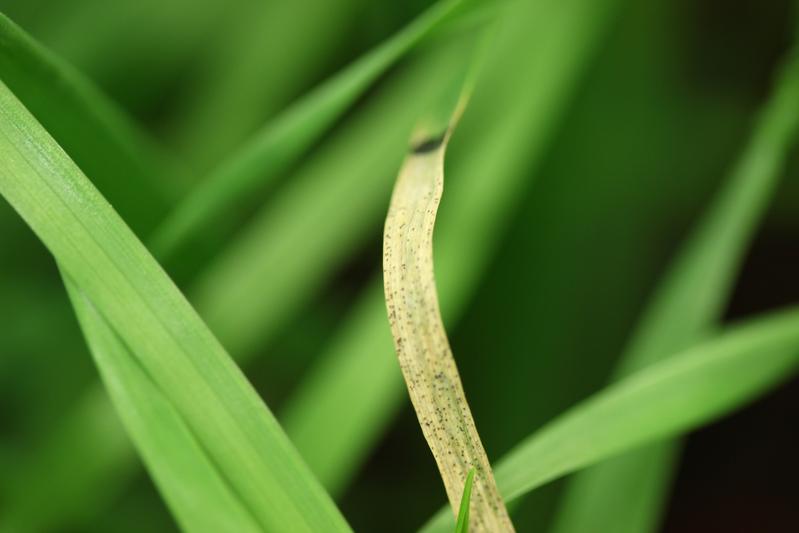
(420, 340)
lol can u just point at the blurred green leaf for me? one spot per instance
(666, 398)
(133, 49)
(40, 500)
(688, 303)
(100, 139)
(180, 356)
(331, 205)
(266, 55)
(255, 68)
(275, 147)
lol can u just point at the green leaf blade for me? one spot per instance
(198, 495)
(462, 525)
(116, 273)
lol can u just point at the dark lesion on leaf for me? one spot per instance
(430, 144)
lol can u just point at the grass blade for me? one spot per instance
(667, 398)
(131, 172)
(125, 284)
(420, 340)
(687, 305)
(196, 491)
(273, 149)
(363, 347)
(462, 525)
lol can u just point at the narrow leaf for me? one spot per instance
(113, 42)
(667, 398)
(274, 148)
(48, 492)
(462, 525)
(196, 491)
(123, 282)
(421, 343)
(258, 63)
(688, 303)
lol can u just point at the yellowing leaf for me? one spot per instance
(420, 339)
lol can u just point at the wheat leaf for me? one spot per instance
(123, 282)
(108, 41)
(256, 66)
(49, 491)
(340, 193)
(195, 490)
(420, 340)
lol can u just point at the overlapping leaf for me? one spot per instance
(182, 359)
(282, 141)
(665, 399)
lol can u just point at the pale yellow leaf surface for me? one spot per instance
(423, 349)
